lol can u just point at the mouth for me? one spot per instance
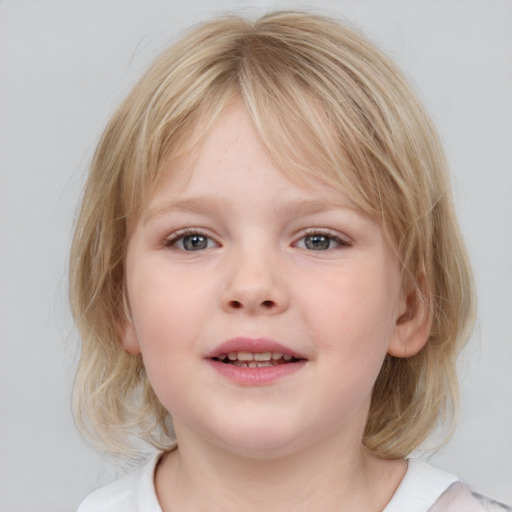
(255, 359)
(254, 353)
(250, 362)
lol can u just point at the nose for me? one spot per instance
(255, 285)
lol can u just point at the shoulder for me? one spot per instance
(135, 491)
(428, 489)
(115, 497)
(459, 498)
(421, 486)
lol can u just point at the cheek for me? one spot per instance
(349, 318)
(163, 321)
(167, 306)
(164, 337)
(351, 315)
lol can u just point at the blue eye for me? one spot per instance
(321, 242)
(192, 242)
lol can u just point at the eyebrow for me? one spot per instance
(307, 207)
(207, 204)
(199, 204)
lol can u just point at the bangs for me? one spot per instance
(320, 110)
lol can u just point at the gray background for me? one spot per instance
(64, 65)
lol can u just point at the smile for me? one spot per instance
(255, 360)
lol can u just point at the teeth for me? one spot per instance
(265, 356)
(261, 364)
(255, 360)
(254, 364)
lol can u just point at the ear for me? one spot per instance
(128, 337)
(126, 330)
(413, 322)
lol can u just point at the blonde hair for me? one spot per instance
(310, 83)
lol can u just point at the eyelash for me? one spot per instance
(184, 233)
(173, 240)
(342, 242)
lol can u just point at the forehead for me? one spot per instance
(231, 159)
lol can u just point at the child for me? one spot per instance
(267, 253)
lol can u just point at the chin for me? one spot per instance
(260, 440)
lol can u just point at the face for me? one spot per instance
(263, 309)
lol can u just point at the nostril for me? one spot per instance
(253, 304)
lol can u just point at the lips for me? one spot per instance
(244, 348)
(255, 361)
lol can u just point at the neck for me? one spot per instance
(329, 476)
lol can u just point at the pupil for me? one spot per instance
(317, 242)
(195, 242)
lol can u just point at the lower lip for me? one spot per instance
(256, 376)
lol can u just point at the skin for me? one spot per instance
(342, 308)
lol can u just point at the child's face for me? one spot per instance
(231, 251)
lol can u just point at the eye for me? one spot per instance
(191, 241)
(319, 241)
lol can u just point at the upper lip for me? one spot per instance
(254, 345)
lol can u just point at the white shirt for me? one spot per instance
(423, 489)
